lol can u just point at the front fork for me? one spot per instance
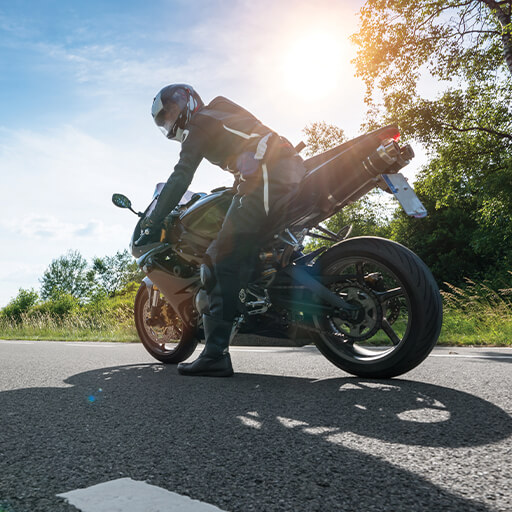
(154, 301)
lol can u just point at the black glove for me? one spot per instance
(149, 232)
(147, 223)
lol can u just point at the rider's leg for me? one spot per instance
(233, 250)
(214, 360)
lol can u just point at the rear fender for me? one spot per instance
(337, 248)
(344, 248)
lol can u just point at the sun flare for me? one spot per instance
(312, 65)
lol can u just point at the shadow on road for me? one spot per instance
(254, 442)
(502, 357)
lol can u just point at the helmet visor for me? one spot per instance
(166, 117)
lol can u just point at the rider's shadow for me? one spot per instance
(254, 442)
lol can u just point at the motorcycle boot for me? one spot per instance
(214, 360)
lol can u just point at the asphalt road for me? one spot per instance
(288, 432)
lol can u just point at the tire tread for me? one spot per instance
(427, 308)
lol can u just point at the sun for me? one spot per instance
(312, 64)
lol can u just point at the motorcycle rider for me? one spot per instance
(266, 167)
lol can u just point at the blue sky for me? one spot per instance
(77, 81)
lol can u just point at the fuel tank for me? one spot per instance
(205, 217)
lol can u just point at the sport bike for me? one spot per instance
(370, 305)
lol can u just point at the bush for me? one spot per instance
(62, 304)
(23, 302)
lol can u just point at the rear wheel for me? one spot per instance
(164, 334)
(401, 309)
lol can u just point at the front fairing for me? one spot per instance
(138, 251)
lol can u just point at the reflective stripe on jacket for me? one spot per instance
(219, 132)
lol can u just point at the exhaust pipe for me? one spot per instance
(382, 158)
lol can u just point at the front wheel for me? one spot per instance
(164, 334)
(400, 308)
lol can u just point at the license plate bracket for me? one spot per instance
(400, 188)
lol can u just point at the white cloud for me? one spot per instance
(56, 180)
(15, 275)
(99, 67)
(50, 229)
(56, 188)
(13, 270)
(238, 51)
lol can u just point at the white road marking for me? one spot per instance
(127, 495)
(471, 356)
(506, 353)
(260, 349)
(500, 352)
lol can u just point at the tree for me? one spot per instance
(71, 275)
(463, 50)
(468, 232)
(67, 274)
(115, 272)
(321, 136)
(464, 44)
(367, 216)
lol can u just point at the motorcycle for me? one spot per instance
(370, 305)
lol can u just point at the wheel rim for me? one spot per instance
(386, 322)
(164, 336)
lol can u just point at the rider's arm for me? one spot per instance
(192, 151)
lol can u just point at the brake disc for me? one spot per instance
(392, 310)
(163, 325)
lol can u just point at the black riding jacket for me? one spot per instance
(219, 132)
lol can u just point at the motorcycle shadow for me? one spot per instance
(254, 442)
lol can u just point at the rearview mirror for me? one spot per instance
(121, 201)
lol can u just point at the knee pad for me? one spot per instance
(207, 277)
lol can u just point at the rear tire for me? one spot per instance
(168, 338)
(401, 302)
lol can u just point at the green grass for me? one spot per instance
(462, 329)
(474, 315)
(74, 327)
(65, 319)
